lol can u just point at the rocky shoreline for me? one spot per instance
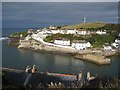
(95, 56)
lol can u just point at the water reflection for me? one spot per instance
(19, 58)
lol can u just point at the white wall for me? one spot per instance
(82, 32)
(100, 32)
(107, 47)
(62, 42)
(81, 46)
(71, 32)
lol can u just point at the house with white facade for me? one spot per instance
(41, 34)
(62, 31)
(107, 47)
(82, 32)
(80, 44)
(116, 44)
(101, 32)
(119, 35)
(117, 41)
(62, 42)
(55, 31)
(52, 27)
(72, 31)
(30, 31)
(38, 30)
(28, 37)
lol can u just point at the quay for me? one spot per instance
(10, 69)
(20, 79)
(100, 57)
(97, 59)
(44, 79)
(63, 76)
(86, 55)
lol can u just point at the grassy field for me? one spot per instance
(85, 25)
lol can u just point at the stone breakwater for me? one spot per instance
(97, 57)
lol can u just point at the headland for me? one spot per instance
(81, 41)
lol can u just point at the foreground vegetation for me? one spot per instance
(98, 84)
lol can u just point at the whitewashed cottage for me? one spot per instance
(55, 31)
(62, 42)
(82, 32)
(116, 44)
(62, 31)
(52, 27)
(119, 35)
(28, 37)
(71, 31)
(80, 44)
(107, 46)
(117, 41)
(101, 32)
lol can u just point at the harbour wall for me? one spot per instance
(97, 57)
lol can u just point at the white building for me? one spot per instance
(52, 27)
(30, 31)
(44, 31)
(55, 31)
(40, 35)
(107, 47)
(28, 37)
(62, 42)
(73, 31)
(39, 30)
(116, 45)
(117, 41)
(119, 35)
(62, 31)
(80, 45)
(82, 32)
(100, 32)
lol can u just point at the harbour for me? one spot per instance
(60, 45)
(56, 62)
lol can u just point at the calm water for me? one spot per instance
(18, 16)
(13, 57)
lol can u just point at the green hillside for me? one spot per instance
(85, 25)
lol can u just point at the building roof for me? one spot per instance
(107, 44)
(64, 39)
(79, 41)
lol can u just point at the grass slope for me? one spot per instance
(85, 25)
